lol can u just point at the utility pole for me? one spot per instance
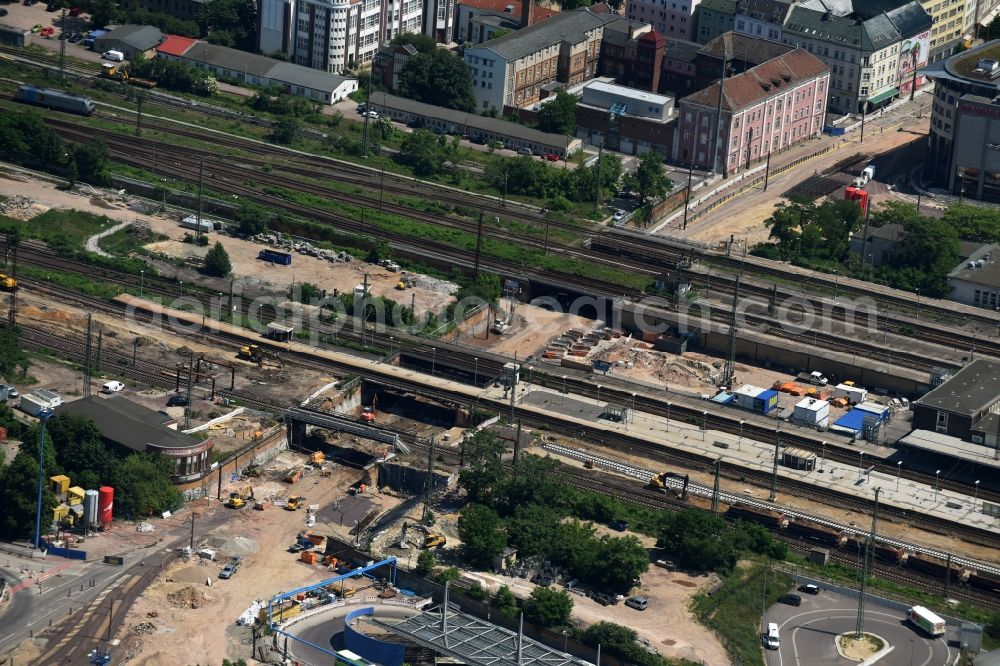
(381, 189)
(913, 79)
(62, 49)
(729, 370)
(767, 167)
(86, 357)
(773, 494)
(97, 356)
(859, 629)
(687, 195)
(718, 114)
(597, 188)
(201, 189)
(140, 97)
(430, 480)
(191, 544)
(715, 486)
(479, 239)
(187, 407)
(368, 109)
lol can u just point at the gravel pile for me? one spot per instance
(433, 284)
(144, 628)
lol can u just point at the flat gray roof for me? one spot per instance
(263, 67)
(569, 26)
(141, 37)
(988, 275)
(128, 423)
(970, 390)
(470, 119)
(475, 641)
(954, 447)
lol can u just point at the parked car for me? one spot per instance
(525, 151)
(373, 115)
(552, 157)
(791, 600)
(177, 400)
(75, 38)
(809, 589)
(112, 387)
(3, 12)
(52, 6)
(619, 525)
(638, 603)
(618, 216)
(11, 391)
(37, 28)
(231, 568)
(361, 108)
(602, 598)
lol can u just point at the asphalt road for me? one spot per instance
(808, 633)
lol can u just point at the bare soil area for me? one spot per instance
(194, 621)
(531, 330)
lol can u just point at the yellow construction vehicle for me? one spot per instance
(294, 502)
(7, 283)
(659, 482)
(249, 353)
(434, 540)
(116, 72)
(238, 499)
(317, 459)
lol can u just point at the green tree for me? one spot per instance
(238, 662)
(286, 130)
(252, 219)
(619, 641)
(439, 78)
(531, 527)
(80, 451)
(143, 486)
(649, 179)
(484, 473)
(103, 12)
(631, 561)
(505, 602)
(217, 262)
(548, 607)
(13, 361)
(448, 575)
(421, 42)
(974, 223)
(19, 489)
(482, 533)
(92, 161)
(424, 152)
(426, 561)
(305, 292)
(559, 115)
(229, 22)
(575, 547)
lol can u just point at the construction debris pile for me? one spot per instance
(187, 597)
(144, 628)
(575, 345)
(18, 207)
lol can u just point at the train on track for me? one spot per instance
(831, 537)
(55, 99)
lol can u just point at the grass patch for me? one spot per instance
(127, 241)
(63, 228)
(72, 281)
(733, 611)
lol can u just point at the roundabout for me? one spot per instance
(809, 634)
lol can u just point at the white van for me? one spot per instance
(116, 56)
(112, 387)
(771, 640)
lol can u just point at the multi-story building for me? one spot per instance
(477, 21)
(390, 61)
(438, 20)
(334, 35)
(872, 54)
(952, 21)
(715, 17)
(761, 18)
(674, 18)
(764, 110)
(509, 72)
(643, 122)
(964, 139)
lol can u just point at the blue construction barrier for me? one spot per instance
(68, 553)
(372, 649)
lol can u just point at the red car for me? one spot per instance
(552, 157)
(76, 11)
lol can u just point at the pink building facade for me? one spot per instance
(674, 18)
(765, 110)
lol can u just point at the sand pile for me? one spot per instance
(188, 597)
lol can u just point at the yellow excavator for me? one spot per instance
(118, 73)
(239, 499)
(659, 482)
(294, 502)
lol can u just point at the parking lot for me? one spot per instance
(27, 17)
(807, 633)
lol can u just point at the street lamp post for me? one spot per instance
(739, 442)
(899, 468)
(475, 372)
(822, 455)
(43, 416)
(669, 405)
(599, 395)
(975, 498)
(142, 280)
(434, 352)
(861, 465)
(937, 483)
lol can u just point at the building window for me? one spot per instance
(942, 422)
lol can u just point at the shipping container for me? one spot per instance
(812, 412)
(191, 222)
(51, 397)
(32, 405)
(275, 257)
(854, 394)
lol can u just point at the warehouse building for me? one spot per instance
(130, 40)
(957, 406)
(129, 425)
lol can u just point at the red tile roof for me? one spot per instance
(175, 45)
(538, 14)
(760, 82)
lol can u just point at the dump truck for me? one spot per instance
(294, 503)
(292, 475)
